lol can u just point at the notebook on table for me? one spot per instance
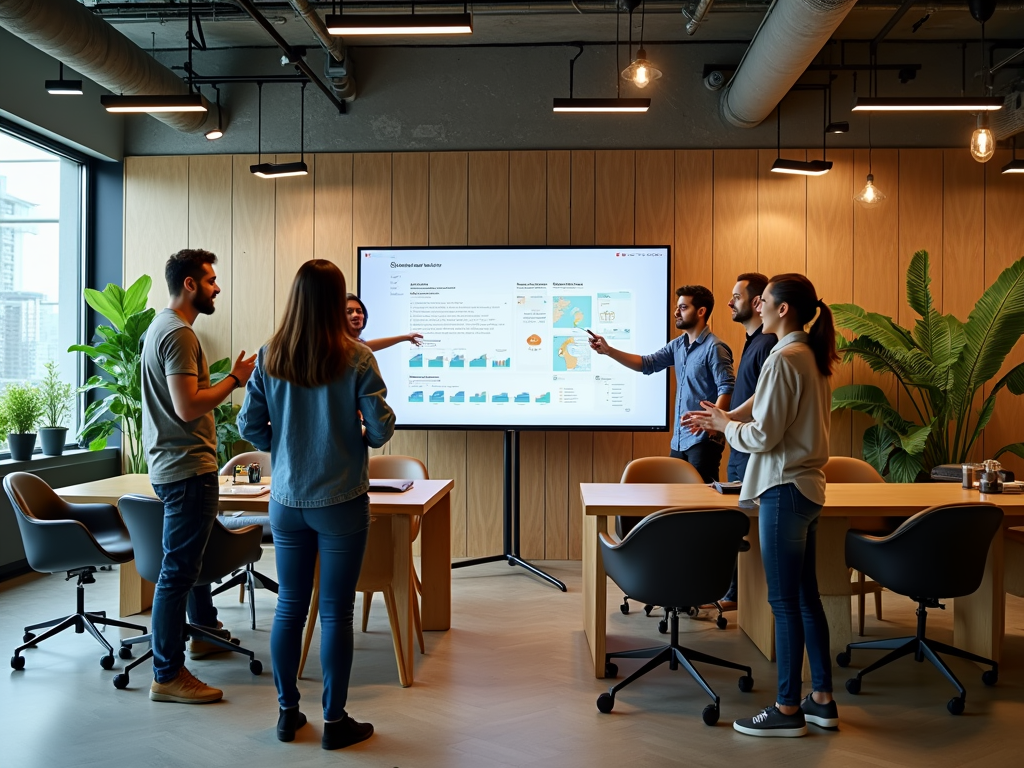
(244, 490)
(390, 486)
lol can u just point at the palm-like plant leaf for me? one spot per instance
(878, 444)
(871, 324)
(871, 400)
(904, 467)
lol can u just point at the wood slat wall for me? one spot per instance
(721, 211)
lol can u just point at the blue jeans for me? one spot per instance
(190, 508)
(338, 533)
(788, 527)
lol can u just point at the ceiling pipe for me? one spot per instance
(791, 35)
(336, 68)
(696, 16)
(70, 33)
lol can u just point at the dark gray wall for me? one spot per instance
(500, 98)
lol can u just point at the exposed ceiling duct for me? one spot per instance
(791, 35)
(696, 16)
(70, 33)
(336, 67)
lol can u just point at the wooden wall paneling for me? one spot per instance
(487, 206)
(654, 225)
(614, 182)
(693, 247)
(253, 224)
(209, 227)
(963, 244)
(559, 170)
(371, 201)
(155, 219)
(581, 211)
(447, 202)
(527, 225)
(1004, 244)
(332, 215)
(920, 229)
(782, 214)
(293, 234)
(875, 265)
(410, 196)
(556, 444)
(830, 263)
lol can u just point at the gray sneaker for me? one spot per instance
(771, 722)
(821, 715)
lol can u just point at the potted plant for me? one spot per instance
(57, 397)
(22, 408)
(117, 351)
(225, 415)
(943, 366)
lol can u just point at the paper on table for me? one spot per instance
(244, 490)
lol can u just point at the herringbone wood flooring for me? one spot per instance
(509, 685)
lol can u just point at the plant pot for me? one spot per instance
(52, 439)
(22, 446)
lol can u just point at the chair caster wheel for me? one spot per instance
(991, 677)
(663, 627)
(624, 608)
(121, 681)
(746, 684)
(955, 706)
(28, 637)
(256, 667)
(843, 659)
(693, 612)
(605, 702)
(611, 670)
(721, 622)
(853, 685)
(107, 662)
(125, 652)
(710, 714)
(17, 662)
(648, 609)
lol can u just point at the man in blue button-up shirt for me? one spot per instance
(703, 364)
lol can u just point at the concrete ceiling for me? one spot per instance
(152, 23)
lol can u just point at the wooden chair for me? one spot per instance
(375, 576)
(844, 469)
(400, 468)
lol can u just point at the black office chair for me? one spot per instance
(648, 565)
(936, 554)
(76, 538)
(248, 579)
(226, 551)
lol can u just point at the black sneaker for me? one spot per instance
(288, 722)
(345, 733)
(771, 722)
(821, 715)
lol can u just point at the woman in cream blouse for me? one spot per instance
(784, 427)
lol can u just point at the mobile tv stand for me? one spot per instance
(510, 517)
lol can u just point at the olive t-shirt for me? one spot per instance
(175, 449)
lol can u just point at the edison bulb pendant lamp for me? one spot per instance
(983, 142)
(641, 72)
(870, 195)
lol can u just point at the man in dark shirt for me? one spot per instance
(745, 305)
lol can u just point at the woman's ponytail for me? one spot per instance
(797, 291)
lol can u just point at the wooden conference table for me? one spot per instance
(978, 618)
(429, 498)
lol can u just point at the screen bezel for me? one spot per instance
(535, 428)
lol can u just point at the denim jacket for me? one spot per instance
(318, 452)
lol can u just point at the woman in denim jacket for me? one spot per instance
(302, 404)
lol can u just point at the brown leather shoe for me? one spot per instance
(186, 688)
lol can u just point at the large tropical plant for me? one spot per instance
(117, 351)
(940, 366)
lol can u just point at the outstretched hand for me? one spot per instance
(598, 344)
(415, 338)
(711, 419)
(243, 367)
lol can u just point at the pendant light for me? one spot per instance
(215, 133)
(834, 126)
(280, 170)
(983, 141)
(366, 25)
(870, 195)
(640, 72)
(795, 167)
(1015, 165)
(62, 87)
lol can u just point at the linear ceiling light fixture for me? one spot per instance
(1015, 165)
(795, 167)
(928, 104)
(62, 87)
(280, 170)
(400, 24)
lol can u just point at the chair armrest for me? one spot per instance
(52, 546)
(609, 541)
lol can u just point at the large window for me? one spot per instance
(41, 262)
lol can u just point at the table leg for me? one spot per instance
(595, 589)
(436, 566)
(136, 592)
(978, 619)
(834, 581)
(753, 613)
(402, 584)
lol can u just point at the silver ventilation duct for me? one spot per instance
(336, 68)
(791, 35)
(70, 33)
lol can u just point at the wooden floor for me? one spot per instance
(509, 685)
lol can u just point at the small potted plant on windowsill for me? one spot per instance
(57, 399)
(22, 408)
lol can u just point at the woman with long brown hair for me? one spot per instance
(302, 404)
(784, 427)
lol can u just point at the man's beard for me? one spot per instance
(204, 305)
(682, 325)
(741, 316)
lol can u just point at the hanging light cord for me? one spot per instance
(572, 67)
(618, 84)
(302, 123)
(259, 123)
(643, 16)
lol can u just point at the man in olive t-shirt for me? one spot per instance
(180, 440)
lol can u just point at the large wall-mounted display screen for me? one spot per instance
(505, 335)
